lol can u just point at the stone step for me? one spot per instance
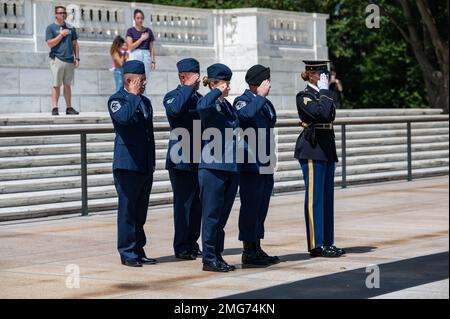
(354, 160)
(102, 175)
(353, 149)
(59, 161)
(391, 135)
(72, 207)
(66, 182)
(66, 139)
(363, 139)
(357, 131)
(107, 190)
(361, 147)
(47, 119)
(372, 127)
(103, 117)
(62, 160)
(66, 195)
(41, 184)
(298, 184)
(36, 150)
(56, 160)
(102, 204)
(43, 172)
(372, 167)
(40, 176)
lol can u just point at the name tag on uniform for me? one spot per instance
(218, 107)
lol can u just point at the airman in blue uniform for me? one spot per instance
(316, 151)
(218, 171)
(181, 111)
(134, 162)
(256, 113)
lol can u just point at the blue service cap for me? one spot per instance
(133, 66)
(220, 72)
(188, 65)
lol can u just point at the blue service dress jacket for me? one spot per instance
(219, 121)
(181, 111)
(258, 113)
(134, 145)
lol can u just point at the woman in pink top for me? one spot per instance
(119, 54)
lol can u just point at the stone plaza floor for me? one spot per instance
(402, 227)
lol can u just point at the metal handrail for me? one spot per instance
(84, 129)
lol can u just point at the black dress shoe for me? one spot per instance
(186, 255)
(55, 111)
(250, 255)
(340, 251)
(197, 252)
(230, 267)
(148, 261)
(227, 265)
(324, 251)
(132, 263)
(270, 259)
(216, 266)
(71, 111)
(262, 254)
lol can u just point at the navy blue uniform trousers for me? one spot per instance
(217, 192)
(254, 191)
(319, 202)
(133, 189)
(187, 209)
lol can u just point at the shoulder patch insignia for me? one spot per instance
(240, 105)
(306, 100)
(115, 106)
(170, 101)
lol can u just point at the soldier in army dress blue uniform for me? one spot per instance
(181, 111)
(134, 162)
(218, 171)
(256, 113)
(316, 151)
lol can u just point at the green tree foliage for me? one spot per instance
(377, 67)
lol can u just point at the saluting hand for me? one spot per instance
(135, 86)
(264, 88)
(225, 89)
(193, 80)
(322, 84)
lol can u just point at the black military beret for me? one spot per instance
(257, 74)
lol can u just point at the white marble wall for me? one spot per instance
(239, 38)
